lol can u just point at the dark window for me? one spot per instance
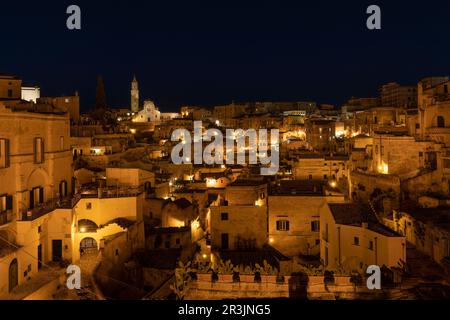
(417, 125)
(56, 250)
(317, 242)
(370, 245)
(6, 203)
(356, 241)
(89, 206)
(224, 216)
(10, 93)
(36, 197)
(315, 226)
(441, 122)
(225, 240)
(117, 252)
(420, 154)
(39, 229)
(178, 241)
(282, 225)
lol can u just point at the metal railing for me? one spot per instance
(45, 208)
(111, 192)
(6, 217)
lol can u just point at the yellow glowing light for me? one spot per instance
(383, 168)
(205, 256)
(333, 184)
(82, 230)
(133, 131)
(195, 224)
(271, 240)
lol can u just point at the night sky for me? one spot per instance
(214, 52)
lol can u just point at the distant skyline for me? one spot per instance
(211, 53)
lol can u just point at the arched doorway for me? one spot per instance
(88, 245)
(87, 226)
(13, 275)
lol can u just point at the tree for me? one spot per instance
(100, 102)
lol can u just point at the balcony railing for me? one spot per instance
(111, 192)
(6, 217)
(45, 208)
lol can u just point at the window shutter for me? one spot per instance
(7, 162)
(35, 150)
(42, 160)
(31, 199)
(287, 225)
(73, 185)
(41, 195)
(61, 189)
(9, 202)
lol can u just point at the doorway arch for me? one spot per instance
(13, 274)
(88, 245)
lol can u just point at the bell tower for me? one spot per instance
(134, 95)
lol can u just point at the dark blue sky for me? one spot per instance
(213, 52)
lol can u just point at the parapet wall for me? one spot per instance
(292, 287)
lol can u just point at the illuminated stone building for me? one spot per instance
(352, 237)
(398, 96)
(35, 206)
(294, 218)
(240, 220)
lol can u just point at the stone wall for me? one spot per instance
(297, 287)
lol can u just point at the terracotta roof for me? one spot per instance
(352, 214)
